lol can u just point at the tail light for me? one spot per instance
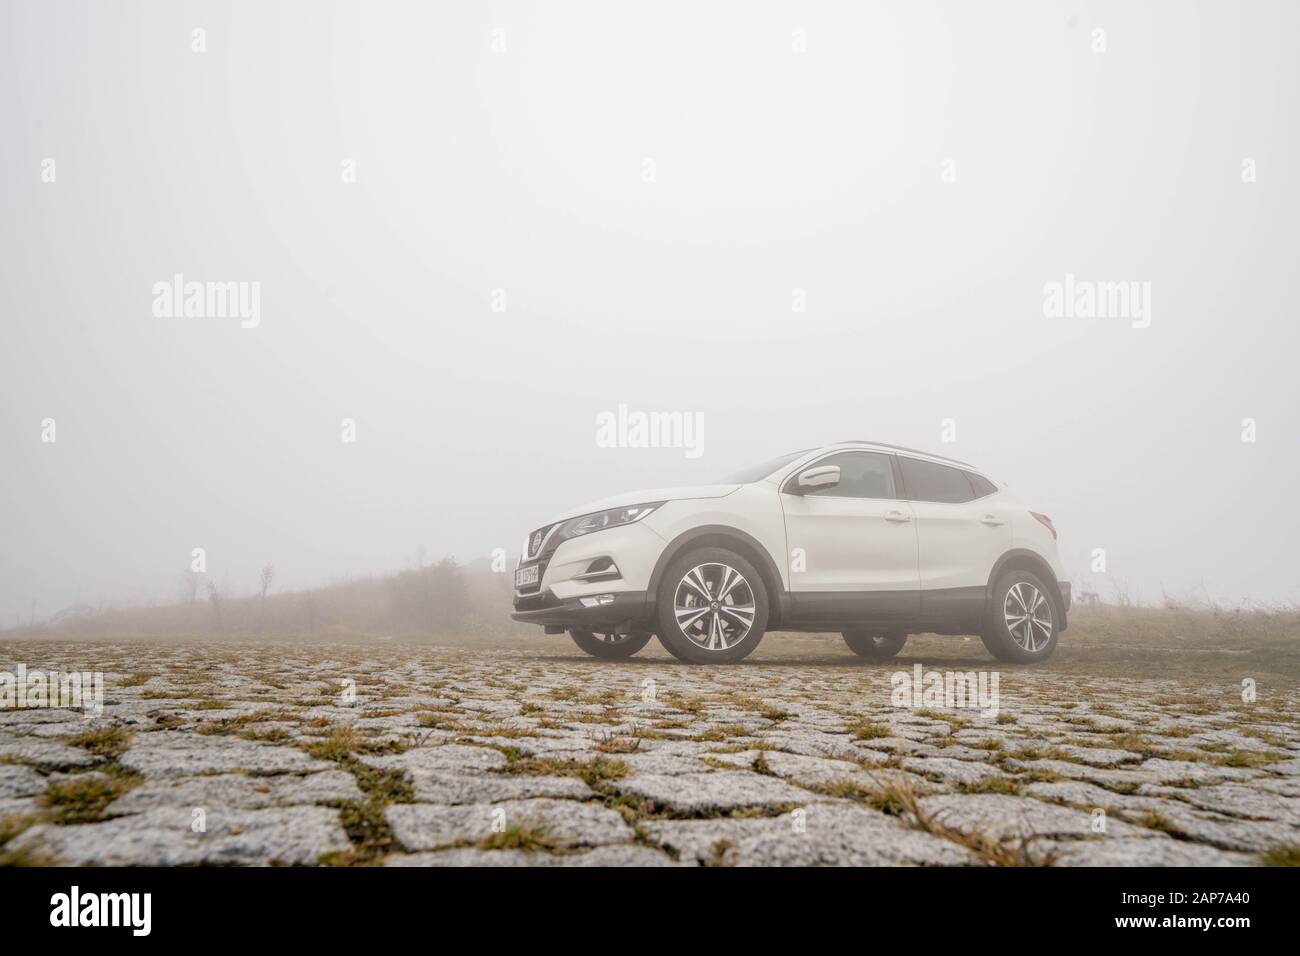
(1046, 522)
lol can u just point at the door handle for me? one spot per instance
(896, 516)
(992, 521)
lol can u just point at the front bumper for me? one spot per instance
(627, 609)
(570, 583)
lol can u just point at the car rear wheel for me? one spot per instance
(712, 607)
(609, 646)
(874, 646)
(1020, 627)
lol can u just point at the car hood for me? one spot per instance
(645, 497)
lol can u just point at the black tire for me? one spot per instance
(874, 646)
(718, 622)
(1015, 642)
(609, 647)
(673, 651)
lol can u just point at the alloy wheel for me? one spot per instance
(714, 606)
(1028, 615)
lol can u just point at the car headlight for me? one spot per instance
(586, 524)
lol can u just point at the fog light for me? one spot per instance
(597, 600)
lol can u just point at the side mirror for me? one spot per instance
(818, 479)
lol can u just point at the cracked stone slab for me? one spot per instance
(1144, 852)
(44, 753)
(810, 743)
(832, 835)
(238, 791)
(1228, 833)
(1283, 786)
(540, 746)
(1090, 795)
(717, 792)
(433, 760)
(1287, 768)
(660, 762)
(567, 823)
(629, 854)
(1004, 817)
(1247, 803)
(1102, 776)
(172, 753)
(805, 769)
(19, 806)
(73, 728)
(1158, 770)
(19, 781)
(21, 720)
(1101, 756)
(163, 837)
(952, 771)
(1234, 739)
(444, 787)
(895, 745)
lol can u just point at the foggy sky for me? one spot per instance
(524, 171)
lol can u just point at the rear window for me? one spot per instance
(983, 487)
(927, 481)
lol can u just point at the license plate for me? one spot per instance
(525, 576)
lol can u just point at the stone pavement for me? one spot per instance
(411, 755)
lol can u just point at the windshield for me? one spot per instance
(761, 471)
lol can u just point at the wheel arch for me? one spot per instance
(1022, 559)
(724, 536)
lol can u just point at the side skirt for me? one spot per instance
(943, 610)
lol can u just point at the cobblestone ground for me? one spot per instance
(407, 755)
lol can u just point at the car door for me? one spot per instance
(852, 547)
(960, 534)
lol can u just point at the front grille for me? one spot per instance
(533, 543)
(534, 554)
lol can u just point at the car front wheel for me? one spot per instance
(712, 607)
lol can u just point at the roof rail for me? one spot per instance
(915, 451)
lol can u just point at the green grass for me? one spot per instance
(525, 835)
(1154, 820)
(107, 742)
(869, 730)
(364, 821)
(593, 772)
(82, 798)
(1009, 786)
(1288, 854)
(345, 740)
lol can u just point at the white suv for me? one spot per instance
(871, 540)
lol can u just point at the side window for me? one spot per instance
(927, 481)
(863, 474)
(983, 487)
